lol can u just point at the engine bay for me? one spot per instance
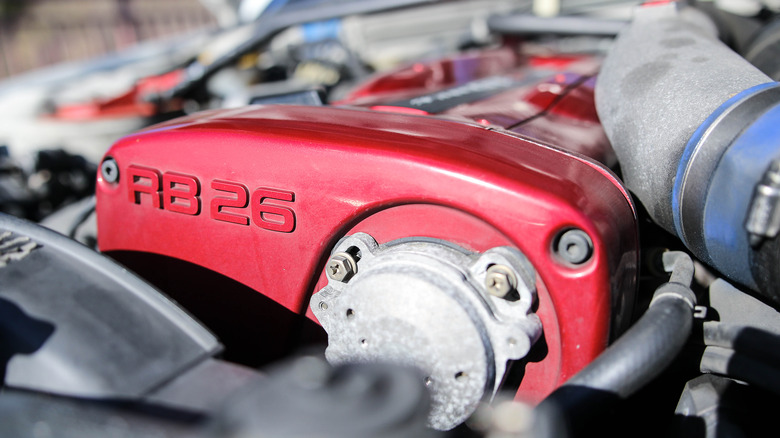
(404, 218)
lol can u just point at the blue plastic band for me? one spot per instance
(693, 143)
(321, 30)
(731, 192)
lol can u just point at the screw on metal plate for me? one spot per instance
(109, 170)
(402, 295)
(500, 280)
(574, 246)
(341, 266)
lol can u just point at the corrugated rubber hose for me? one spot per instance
(635, 359)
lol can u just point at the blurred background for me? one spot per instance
(77, 75)
(37, 33)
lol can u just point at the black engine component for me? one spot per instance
(75, 323)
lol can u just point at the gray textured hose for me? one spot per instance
(666, 73)
(694, 127)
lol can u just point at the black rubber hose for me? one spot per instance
(643, 352)
(754, 342)
(635, 359)
(727, 362)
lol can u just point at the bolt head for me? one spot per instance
(341, 267)
(500, 280)
(109, 170)
(575, 247)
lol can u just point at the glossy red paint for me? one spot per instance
(571, 122)
(390, 175)
(426, 77)
(558, 62)
(132, 103)
(559, 90)
(559, 110)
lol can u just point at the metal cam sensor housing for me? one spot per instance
(428, 304)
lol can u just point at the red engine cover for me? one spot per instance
(261, 195)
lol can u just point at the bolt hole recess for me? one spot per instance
(354, 251)
(323, 305)
(350, 313)
(109, 170)
(428, 381)
(461, 376)
(573, 247)
(364, 342)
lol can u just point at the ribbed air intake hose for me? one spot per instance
(695, 128)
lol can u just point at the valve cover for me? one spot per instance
(262, 196)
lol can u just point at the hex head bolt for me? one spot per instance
(500, 280)
(341, 266)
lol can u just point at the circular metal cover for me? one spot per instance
(424, 304)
